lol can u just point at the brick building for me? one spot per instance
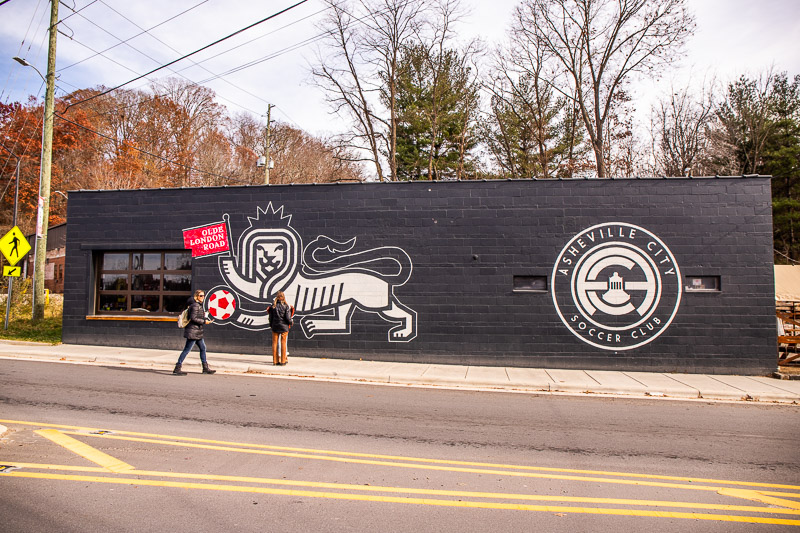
(55, 258)
(652, 274)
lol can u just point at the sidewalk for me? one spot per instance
(508, 379)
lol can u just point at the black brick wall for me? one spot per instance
(467, 240)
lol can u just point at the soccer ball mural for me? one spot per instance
(221, 304)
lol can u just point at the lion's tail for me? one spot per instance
(389, 263)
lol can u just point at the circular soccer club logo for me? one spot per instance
(616, 286)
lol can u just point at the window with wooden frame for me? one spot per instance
(138, 283)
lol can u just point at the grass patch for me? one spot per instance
(47, 330)
(20, 326)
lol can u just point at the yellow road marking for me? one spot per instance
(421, 466)
(431, 492)
(112, 464)
(761, 497)
(40, 466)
(178, 440)
(406, 500)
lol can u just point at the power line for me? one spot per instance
(21, 44)
(178, 72)
(214, 76)
(259, 37)
(134, 36)
(142, 53)
(220, 76)
(192, 53)
(74, 12)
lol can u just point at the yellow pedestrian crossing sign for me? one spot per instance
(13, 271)
(14, 245)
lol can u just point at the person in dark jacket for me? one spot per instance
(280, 320)
(193, 332)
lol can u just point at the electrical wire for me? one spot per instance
(74, 12)
(179, 72)
(132, 37)
(19, 50)
(244, 66)
(96, 53)
(363, 20)
(131, 70)
(42, 18)
(190, 54)
(215, 75)
(259, 37)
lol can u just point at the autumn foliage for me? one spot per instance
(173, 135)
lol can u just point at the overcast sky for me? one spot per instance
(733, 37)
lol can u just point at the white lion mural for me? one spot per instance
(325, 281)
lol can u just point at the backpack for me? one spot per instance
(183, 318)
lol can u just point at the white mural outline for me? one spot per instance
(325, 281)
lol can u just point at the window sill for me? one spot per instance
(702, 291)
(133, 318)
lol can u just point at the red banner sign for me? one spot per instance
(206, 240)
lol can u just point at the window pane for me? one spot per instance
(113, 302)
(124, 274)
(144, 303)
(175, 304)
(177, 282)
(146, 282)
(146, 262)
(178, 261)
(115, 262)
(114, 282)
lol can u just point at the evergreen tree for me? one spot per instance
(782, 161)
(532, 133)
(759, 127)
(437, 103)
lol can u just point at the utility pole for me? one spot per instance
(46, 168)
(266, 163)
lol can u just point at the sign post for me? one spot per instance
(14, 246)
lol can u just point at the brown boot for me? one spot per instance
(178, 371)
(207, 370)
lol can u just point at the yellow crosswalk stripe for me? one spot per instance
(112, 464)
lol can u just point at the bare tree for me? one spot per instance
(189, 114)
(298, 156)
(680, 130)
(598, 45)
(366, 39)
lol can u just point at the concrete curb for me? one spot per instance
(642, 385)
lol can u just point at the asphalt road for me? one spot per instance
(249, 453)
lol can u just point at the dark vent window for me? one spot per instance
(530, 283)
(703, 284)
